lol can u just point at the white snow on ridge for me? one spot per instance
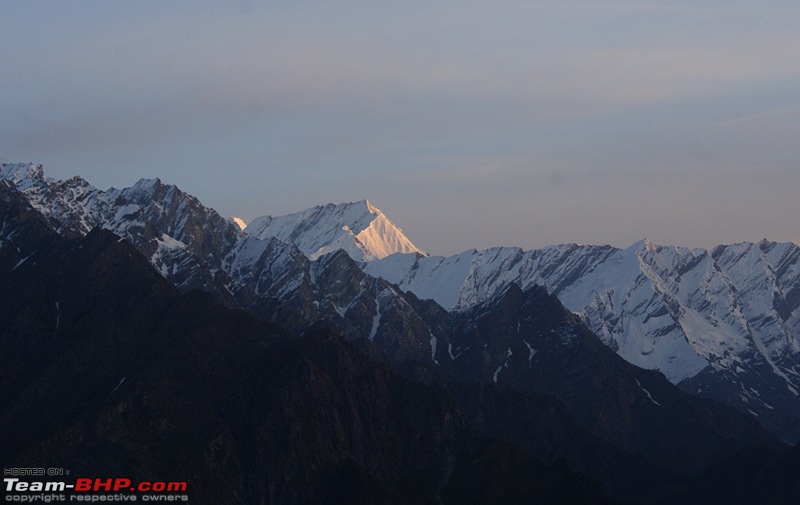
(22, 175)
(125, 211)
(671, 309)
(358, 228)
(428, 277)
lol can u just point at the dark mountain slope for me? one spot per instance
(528, 342)
(753, 477)
(112, 372)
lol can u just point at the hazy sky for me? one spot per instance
(471, 124)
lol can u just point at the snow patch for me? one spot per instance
(125, 211)
(531, 352)
(496, 373)
(20, 262)
(646, 392)
(454, 356)
(118, 385)
(376, 320)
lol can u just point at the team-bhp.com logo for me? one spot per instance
(94, 490)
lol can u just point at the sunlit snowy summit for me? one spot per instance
(358, 228)
(238, 222)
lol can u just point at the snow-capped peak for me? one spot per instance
(238, 222)
(371, 208)
(644, 244)
(358, 228)
(21, 175)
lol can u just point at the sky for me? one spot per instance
(470, 124)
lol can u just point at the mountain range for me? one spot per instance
(109, 370)
(508, 337)
(722, 324)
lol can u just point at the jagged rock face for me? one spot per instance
(365, 309)
(184, 240)
(23, 230)
(705, 319)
